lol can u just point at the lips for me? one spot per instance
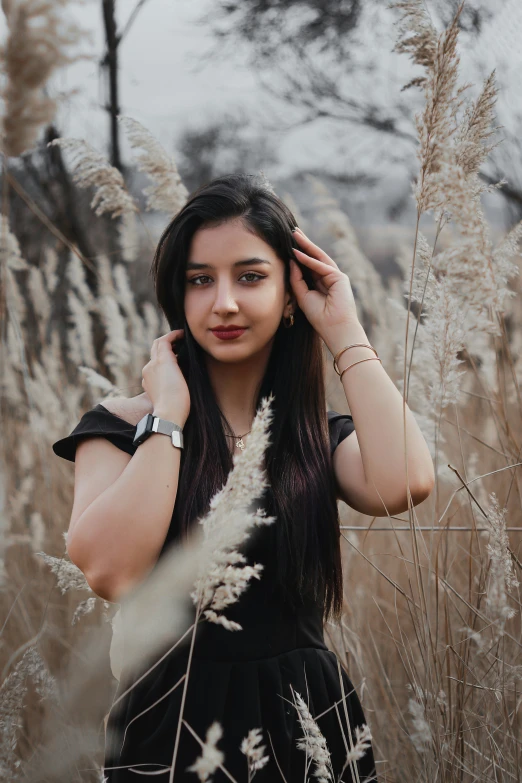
(229, 328)
(229, 333)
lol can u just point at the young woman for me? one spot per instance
(251, 304)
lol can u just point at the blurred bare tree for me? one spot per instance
(109, 66)
(305, 53)
(225, 145)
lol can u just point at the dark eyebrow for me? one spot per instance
(245, 262)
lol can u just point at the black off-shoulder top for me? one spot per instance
(100, 421)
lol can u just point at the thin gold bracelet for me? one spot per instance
(354, 345)
(371, 359)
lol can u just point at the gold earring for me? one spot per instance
(288, 325)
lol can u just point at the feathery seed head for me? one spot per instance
(211, 757)
(38, 38)
(313, 742)
(253, 751)
(220, 581)
(93, 169)
(168, 193)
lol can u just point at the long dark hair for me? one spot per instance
(298, 461)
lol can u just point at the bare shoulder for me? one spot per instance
(132, 409)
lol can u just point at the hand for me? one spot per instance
(163, 380)
(332, 304)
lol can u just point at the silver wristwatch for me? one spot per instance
(150, 424)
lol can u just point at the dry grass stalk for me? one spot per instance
(211, 757)
(254, 752)
(449, 630)
(313, 743)
(167, 193)
(37, 43)
(91, 169)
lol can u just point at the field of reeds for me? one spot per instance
(431, 631)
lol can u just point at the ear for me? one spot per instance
(290, 299)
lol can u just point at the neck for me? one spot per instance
(236, 386)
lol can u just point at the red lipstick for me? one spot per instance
(229, 332)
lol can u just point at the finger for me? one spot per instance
(320, 266)
(316, 276)
(166, 343)
(311, 247)
(165, 339)
(172, 335)
(176, 334)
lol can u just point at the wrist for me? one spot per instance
(169, 414)
(347, 334)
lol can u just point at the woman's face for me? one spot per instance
(220, 292)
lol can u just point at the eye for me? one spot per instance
(258, 277)
(195, 280)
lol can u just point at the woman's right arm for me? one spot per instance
(117, 538)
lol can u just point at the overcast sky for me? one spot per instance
(168, 82)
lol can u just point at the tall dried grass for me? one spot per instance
(431, 630)
(38, 42)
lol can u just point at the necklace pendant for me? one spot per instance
(240, 444)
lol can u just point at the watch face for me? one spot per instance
(143, 429)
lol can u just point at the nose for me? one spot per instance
(224, 301)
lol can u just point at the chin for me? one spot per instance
(235, 352)
(228, 354)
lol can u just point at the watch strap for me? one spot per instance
(151, 423)
(165, 427)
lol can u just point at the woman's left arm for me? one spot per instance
(370, 464)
